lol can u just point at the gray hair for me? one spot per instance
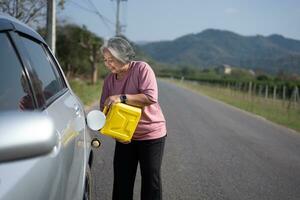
(120, 49)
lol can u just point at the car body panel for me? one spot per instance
(70, 123)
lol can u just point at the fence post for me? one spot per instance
(293, 98)
(182, 79)
(298, 102)
(283, 93)
(260, 90)
(274, 92)
(266, 92)
(250, 88)
(296, 96)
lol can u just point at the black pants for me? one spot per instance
(149, 155)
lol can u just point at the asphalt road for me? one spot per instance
(215, 152)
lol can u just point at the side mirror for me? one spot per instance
(25, 135)
(95, 120)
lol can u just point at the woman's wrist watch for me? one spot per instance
(123, 98)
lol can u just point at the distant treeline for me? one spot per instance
(239, 78)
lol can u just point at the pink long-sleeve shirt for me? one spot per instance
(140, 78)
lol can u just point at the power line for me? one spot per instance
(82, 7)
(94, 10)
(102, 17)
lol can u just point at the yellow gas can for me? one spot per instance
(121, 121)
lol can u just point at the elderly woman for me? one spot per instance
(134, 83)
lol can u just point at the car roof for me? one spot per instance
(10, 23)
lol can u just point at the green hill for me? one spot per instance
(212, 48)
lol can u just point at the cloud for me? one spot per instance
(231, 11)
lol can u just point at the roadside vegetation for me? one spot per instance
(284, 112)
(87, 92)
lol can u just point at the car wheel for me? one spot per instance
(87, 195)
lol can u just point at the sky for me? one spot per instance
(157, 20)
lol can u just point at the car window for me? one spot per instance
(14, 89)
(45, 74)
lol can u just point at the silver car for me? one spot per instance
(45, 150)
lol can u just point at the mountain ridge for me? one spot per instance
(213, 47)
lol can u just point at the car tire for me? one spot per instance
(87, 195)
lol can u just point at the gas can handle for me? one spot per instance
(105, 110)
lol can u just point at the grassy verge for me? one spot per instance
(87, 92)
(278, 111)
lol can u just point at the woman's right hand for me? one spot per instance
(112, 100)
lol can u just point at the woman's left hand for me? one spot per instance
(112, 100)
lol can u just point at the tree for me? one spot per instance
(262, 77)
(92, 44)
(70, 54)
(31, 12)
(27, 11)
(78, 51)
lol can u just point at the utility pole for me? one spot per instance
(51, 24)
(118, 24)
(118, 28)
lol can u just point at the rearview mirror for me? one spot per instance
(25, 135)
(95, 120)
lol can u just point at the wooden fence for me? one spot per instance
(288, 95)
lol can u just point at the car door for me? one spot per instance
(30, 178)
(55, 98)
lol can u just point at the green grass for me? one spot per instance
(278, 111)
(87, 92)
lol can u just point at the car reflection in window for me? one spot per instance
(26, 102)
